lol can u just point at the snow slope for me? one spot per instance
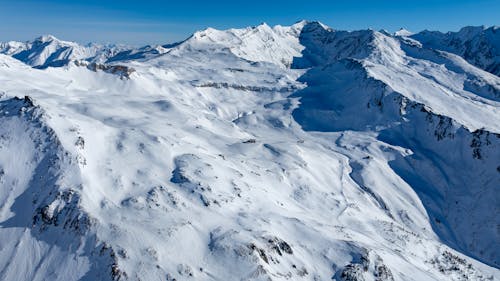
(264, 153)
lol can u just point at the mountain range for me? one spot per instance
(265, 153)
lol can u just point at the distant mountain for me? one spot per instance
(479, 45)
(48, 51)
(264, 153)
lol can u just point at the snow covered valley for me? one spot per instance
(265, 153)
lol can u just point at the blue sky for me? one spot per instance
(156, 21)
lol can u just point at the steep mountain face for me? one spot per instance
(44, 233)
(264, 153)
(479, 46)
(392, 94)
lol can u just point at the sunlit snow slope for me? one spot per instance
(264, 153)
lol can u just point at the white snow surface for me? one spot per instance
(263, 153)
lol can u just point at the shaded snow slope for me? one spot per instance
(44, 232)
(284, 153)
(423, 106)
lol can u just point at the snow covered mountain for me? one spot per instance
(265, 153)
(48, 51)
(479, 45)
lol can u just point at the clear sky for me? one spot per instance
(163, 21)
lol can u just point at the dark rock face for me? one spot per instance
(123, 71)
(365, 265)
(352, 272)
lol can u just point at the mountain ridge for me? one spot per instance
(109, 52)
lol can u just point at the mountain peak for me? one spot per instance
(403, 32)
(263, 25)
(314, 26)
(471, 31)
(46, 38)
(301, 22)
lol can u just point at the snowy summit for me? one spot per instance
(403, 32)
